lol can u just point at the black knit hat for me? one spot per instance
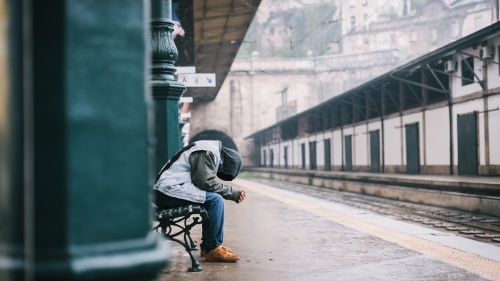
(231, 164)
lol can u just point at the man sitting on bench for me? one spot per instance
(189, 178)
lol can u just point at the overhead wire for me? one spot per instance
(322, 22)
(355, 27)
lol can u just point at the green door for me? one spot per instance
(374, 152)
(303, 154)
(348, 153)
(467, 144)
(312, 155)
(285, 156)
(328, 155)
(412, 149)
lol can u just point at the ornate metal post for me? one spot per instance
(166, 89)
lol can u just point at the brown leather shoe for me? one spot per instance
(221, 254)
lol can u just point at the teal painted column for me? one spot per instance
(11, 143)
(75, 188)
(166, 89)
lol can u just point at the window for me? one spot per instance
(271, 155)
(467, 71)
(265, 160)
(353, 23)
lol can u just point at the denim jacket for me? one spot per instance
(192, 171)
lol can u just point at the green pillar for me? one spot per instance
(166, 89)
(11, 143)
(75, 172)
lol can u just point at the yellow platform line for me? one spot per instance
(482, 266)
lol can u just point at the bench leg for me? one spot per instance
(193, 245)
(195, 265)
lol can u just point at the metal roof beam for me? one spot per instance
(389, 94)
(419, 84)
(435, 77)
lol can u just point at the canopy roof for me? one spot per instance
(219, 29)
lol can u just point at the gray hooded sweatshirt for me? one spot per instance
(192, 172)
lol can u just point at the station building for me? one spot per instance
(438, 114)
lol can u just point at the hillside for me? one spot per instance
(291, 29)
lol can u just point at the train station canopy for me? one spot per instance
(219, 29)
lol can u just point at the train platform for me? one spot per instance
(465, 184)
(284, 235)
(468, 193)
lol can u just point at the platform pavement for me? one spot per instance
(281, 235)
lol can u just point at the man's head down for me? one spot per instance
(231, 164)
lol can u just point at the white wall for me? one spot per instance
(437, 137)
(360, 146)
(320, 150)
(392, 135)
(494, 129)
(337, 148)
(493, 68)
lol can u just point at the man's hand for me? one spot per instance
(243, 194)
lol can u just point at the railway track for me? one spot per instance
(469, 225)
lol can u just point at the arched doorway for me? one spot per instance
(215, 135)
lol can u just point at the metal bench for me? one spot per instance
(174, 222)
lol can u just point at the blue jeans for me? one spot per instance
(213, 228)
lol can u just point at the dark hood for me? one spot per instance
(231, 164)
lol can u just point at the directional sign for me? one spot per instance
(197, 79)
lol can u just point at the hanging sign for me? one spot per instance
(197, 79)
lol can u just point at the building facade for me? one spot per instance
(438, 114)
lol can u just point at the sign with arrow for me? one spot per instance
(197, 79)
